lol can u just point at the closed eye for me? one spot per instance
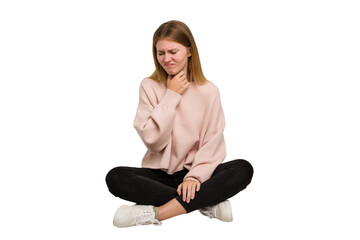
(171, 52)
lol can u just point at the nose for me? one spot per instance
(167, 58)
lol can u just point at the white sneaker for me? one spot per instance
(221, 211)
(127, 216)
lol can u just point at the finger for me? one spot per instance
(185, 85)
(198, 187)
(193, 192)
(181, 91)
(184, 80)
(184, 192)
(179, 75)
(188, 196)
(179, 189)
(170, 77)
(183, 88)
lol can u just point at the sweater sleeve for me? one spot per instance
(154, 122)
(212, 151)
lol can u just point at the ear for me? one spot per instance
(189, 51)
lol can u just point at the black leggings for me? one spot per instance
(155, 187)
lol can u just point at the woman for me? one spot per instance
(181, 122)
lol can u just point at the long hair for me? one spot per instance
(178, 32)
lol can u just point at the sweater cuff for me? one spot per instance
(192, 178)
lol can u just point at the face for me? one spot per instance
(172, 56)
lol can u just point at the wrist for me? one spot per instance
(192, 178)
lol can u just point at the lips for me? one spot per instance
(169, 65)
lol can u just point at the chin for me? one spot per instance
(172, 73)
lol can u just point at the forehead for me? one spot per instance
(166, 44)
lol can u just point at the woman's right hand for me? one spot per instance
(178, 83)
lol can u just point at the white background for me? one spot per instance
(288, 73)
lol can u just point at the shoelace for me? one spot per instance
(145, 218)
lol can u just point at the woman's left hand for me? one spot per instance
(188, 188)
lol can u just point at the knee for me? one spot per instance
(244, 170)
(116, 178)
(245, 166)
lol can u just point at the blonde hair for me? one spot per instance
(178, 32)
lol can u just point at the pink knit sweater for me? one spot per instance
(181, 131)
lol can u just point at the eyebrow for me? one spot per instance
(170, 50)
